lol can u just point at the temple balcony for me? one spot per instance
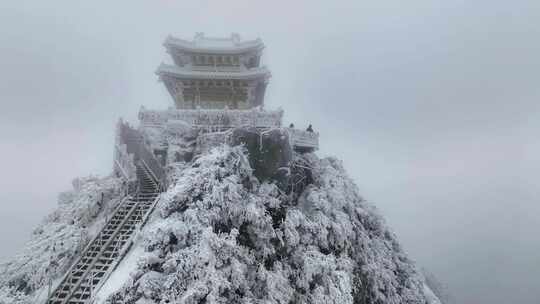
(212, 119)
(174, 121)
(303, 141)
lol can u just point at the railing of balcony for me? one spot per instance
(216, 120)
(303, 139)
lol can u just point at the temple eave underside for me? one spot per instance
(213, 72)
(208, 93)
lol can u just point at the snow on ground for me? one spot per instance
(121, 274)
(58, 240)
(127, 267)
(220, 236)
(430, 296)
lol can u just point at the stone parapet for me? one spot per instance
(212, 119)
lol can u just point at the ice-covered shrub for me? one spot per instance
(221, 236)
(57, 241)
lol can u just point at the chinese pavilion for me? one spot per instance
(215, 73)
(217, 84)
(218, 88)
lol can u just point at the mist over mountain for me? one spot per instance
(224, 233)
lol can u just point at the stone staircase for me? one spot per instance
(107, 249)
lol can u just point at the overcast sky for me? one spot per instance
(432, 105)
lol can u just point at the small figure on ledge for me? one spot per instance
(309, 128)
(291, 126)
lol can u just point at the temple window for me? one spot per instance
(252, 62)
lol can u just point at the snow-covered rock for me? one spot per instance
(58, 240)
(221, 236)
(224, 234)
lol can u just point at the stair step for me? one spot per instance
(105, 250)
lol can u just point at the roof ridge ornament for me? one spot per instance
(235, 37)
(198, 37)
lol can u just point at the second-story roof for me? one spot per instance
(182, 73)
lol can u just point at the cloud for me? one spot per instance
(433, 106)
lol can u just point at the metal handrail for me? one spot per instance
(69, 272)
(126, 176)
(129, 243)
(153, 175)
(135, 143)
(94, 260)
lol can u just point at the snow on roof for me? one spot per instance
(201, 43)
(179, 72)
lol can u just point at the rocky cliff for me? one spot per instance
(230, 229)
(246, 219)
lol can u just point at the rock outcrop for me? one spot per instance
(224, 235)
(270, 153)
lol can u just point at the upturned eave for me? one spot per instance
(183, 73)
(174, 44)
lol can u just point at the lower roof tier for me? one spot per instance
(192, 93)
(187, 73)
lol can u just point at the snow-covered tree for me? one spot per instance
(59, 239)
(222, 236)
